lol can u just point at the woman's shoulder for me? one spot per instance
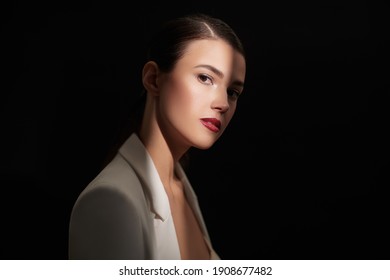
(110, 216)
(117, 180)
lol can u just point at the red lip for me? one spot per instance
(211, 123)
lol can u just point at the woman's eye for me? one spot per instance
(205, 79)
(234, 94)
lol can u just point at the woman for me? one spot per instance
(141, 205)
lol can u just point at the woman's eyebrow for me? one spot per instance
(211, 68)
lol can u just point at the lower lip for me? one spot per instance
(210, 126)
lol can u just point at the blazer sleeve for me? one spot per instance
(107, 224)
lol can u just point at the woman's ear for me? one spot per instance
(149, 77)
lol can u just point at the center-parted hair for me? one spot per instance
(168, 44)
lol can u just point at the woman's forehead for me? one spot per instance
(216, 53)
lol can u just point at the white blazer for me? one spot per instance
(124, 212)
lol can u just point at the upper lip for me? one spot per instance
(214, 121)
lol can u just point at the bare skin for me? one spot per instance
(190, 237)
(203, 84)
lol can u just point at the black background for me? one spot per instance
(299, 173)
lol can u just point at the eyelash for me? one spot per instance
(234, 94)
(203, 77)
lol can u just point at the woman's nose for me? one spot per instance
(220, 101)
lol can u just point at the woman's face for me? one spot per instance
(198, 98)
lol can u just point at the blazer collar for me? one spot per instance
(135, 153)
(138, 157)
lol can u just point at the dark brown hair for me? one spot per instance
(168, 44)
